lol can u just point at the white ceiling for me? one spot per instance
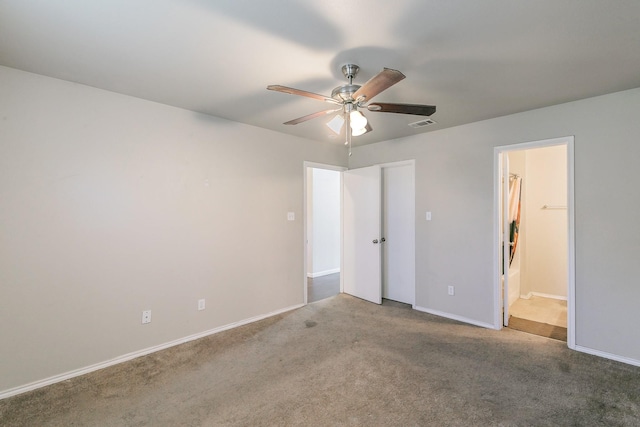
(473, 59)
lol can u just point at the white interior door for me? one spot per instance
(398, 229)
(506, 241)
(361, 233)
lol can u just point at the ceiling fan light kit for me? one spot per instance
(361, 131)
(350, 97)
(336, 123)
(358, 120)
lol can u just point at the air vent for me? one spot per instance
(422, 123)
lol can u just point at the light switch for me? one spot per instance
(291, 216)
(428, 216)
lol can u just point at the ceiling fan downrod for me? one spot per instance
(345, 92)
(350, 71)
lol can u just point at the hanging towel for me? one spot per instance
(514, 214)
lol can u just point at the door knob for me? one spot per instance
(383, 240)
(375, 241)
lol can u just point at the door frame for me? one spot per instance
(498, 152)
(305, 167)
(308, 164)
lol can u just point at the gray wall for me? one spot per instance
(110, 205)
(454, 180)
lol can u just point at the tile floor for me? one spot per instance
(540, 309)
(323, 287)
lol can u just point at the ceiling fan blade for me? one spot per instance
(415, 109)
(293, 91)
(376, 84)
(311, 116)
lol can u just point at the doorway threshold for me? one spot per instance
(391, 303)
(538, 328)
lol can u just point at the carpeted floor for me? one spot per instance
(345, 362)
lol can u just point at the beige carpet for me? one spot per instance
(345, 362)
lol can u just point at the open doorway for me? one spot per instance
(535, 216)
(322, 231)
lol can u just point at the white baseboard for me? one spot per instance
(126, 357)
(540, 294)
(455, 317)
(606, 355)
(323, 273)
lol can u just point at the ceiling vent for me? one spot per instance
(422, 123)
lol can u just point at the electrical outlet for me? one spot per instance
(201, 304)
(146, 316)
(451, 290)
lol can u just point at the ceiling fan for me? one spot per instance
(350, 97)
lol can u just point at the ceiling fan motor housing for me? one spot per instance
(344, 93)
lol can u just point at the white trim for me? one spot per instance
(410, 162)
(535, 144)
(568, 141)
(571, 273)
(129, 356)
(323, 166)
(455, 317)
(323, 273)
(497, 239)
(606, 355)
(305, 166)
(506, 249)
(543, 295)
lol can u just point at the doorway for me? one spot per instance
(535, 268)
(323, 194)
